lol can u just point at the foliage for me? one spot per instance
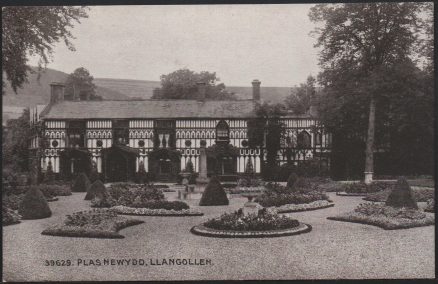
(34, 205)
(15, 152)
(81, 183)
(9, 217)
(360, 187)
(34, 30)
(430, 206)
(300, 100)
(94, 174)
(420, 195)
(189, 167)
(50, 190)
(96, 223)
(291, 180)
(375, 42)
(97, 188)
(79, 85)
(161, 204)
(49, 176)
(388, 211)
(214, 194)
(401, 195)
(262, 221)
(182, 84)
(142, 176)
(12, 201)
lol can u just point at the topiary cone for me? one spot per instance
(214, 194)
(34, 205)
(94, 189)
(401, 195)
(81, 184)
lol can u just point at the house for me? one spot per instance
(119, 138)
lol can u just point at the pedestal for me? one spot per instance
(202, 178)
(368, 177)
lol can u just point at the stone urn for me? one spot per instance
(251, 207)
(185, 176)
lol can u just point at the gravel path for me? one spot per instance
(332, 250)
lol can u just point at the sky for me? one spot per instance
(238, 42)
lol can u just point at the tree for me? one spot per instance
(33, 30)
(182, 84)
(361, 43)
(267, 130)
(16, 143)
(79, 86)
(300, 100)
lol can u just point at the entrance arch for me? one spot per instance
(119, 163)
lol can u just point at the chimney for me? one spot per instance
(202, 89)
(256, 90)
(56, 92)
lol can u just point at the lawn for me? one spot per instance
(331, 250)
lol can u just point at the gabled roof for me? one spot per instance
(150, 109)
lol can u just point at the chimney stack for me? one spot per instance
(202, 89)
(56, 92)
(256, 90)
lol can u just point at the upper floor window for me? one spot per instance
(318, 138)
(76, 134)
(222, 131)
(121, 132)
(304, 140)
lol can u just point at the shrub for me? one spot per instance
(12, 201)
(103, 200)
(9, 217)
(51, 190)
(49, 175)
(372, 209)
(401, 195)
(361, 187)
(94, 175)
(262, 221)
(96, 188)
(34, 205)
(141, 175)
(162, 204)
(430, 206)
(81, 183)
(214, 194)
(291, 180)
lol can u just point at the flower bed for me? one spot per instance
(360, 188)
(124, 210)
(240, 189)
(92, 224)
(277, 195)
(386, 217)
(9, 216)
(289, 208)
(430, 206)
(12, 201)
(262, 224)
(420, 195)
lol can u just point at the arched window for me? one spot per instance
(318, 138)
(222, 131)
(303, 140)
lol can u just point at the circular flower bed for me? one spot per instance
(124, 210)
(262, 224)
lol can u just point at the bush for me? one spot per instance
(263, 221)
(34, 205)
(9, 217)
(94, 175)
(401, 195)
(81, 183)
(291, 180)
(430, 206)
(12, 200)
(214, 194)
(96, 188)
(141, 175)
(162, 204)
(51, 190)
(361, 187)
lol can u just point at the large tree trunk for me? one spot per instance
(369, 149)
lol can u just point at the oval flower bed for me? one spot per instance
(289, 208)
(285, 200)
(124, 210)
(145, 200)
(261, 225)
(97, 223)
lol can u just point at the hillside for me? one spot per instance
(38, 91)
